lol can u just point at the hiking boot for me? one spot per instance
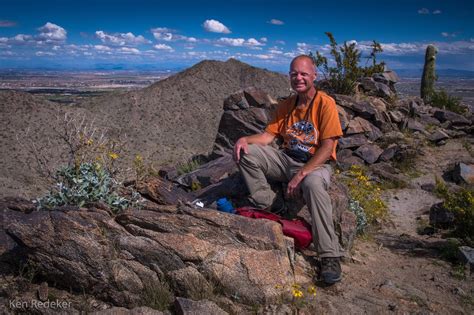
(331, 270)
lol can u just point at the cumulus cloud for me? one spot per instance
(121, 39)
(168, 34)
(5, 23)
(215, 26)
(280, 42)
(276, 22)
(437, 12)
(304, 48)
(21, 39)
(102, 48)
(129, 51)
(52, 33)
(423, 11)
(275, 51)
(163, 47)
(239, 42)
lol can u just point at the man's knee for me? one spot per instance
(253, 155)
(315, 182)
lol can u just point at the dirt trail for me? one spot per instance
(399, 271)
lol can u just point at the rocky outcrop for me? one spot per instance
(119, 258)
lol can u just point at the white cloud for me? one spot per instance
(254, 42)
(56, 47)
(264, 39)
(102, 48)
(121, 39)
(423, 11)
(236, 42)
(262, 56)
(86, 53)
(276, 22)
(128, 50)
(52, 33)
(275, 51)
(167, 34)
(446, 34)
(6, 53)
(21, 39)
(215, 27)
(437, 12)
(239, 42)
(280, 42)
(304, 48)
(164, 47)
(44, 53)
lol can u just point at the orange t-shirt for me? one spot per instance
(303, 130)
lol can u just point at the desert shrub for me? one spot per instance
(91, 173)
(367, 194)
(461, 204)
(361, 218)
(85, 183)
(343, 76)
(442, 99)
(143, 168)
(157, 295)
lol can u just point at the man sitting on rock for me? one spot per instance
(309, 124)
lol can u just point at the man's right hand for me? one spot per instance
(241, 144)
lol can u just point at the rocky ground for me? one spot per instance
(392, 270)
(396, 270)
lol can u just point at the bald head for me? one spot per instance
(306, 58)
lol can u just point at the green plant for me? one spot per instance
(449, 250)
(78, 185)
(442, 99)
(28, 270)
(461, 204)
(361, 217)
(187, 167)
(343, 76)
(157, 295)
(458, 272)
(367, 193)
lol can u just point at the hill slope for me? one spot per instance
(179, 116)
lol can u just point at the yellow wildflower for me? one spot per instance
(89, 142)
(113, 155)
(297, 293)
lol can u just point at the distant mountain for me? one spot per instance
(168, 121)
(442, 73)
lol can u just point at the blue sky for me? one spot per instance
(174, 34)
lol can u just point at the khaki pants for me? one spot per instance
(265, 161)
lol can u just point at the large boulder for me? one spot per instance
(246, 112)
(118, 258)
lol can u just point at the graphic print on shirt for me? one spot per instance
(303, 136)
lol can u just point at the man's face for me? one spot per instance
(302, 75)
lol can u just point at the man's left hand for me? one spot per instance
(294, 184)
